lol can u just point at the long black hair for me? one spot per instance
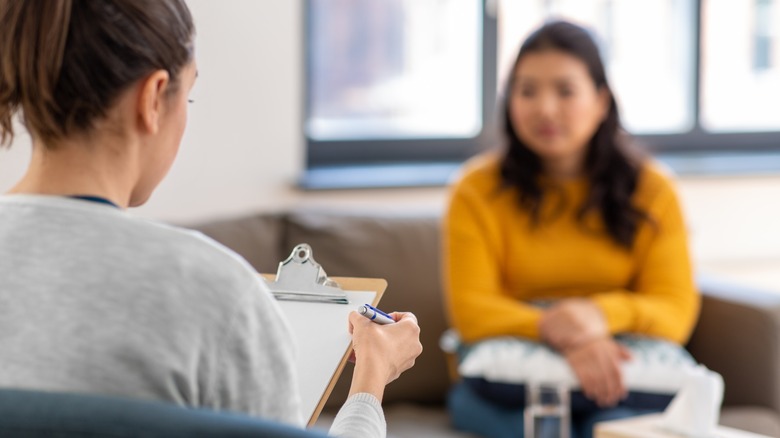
(611, 166)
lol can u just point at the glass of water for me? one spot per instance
(547, 410)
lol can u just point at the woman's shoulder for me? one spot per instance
(481, 173)
(192, 243)
(199, 261)
(656, 183)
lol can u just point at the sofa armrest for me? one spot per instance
(738, 336)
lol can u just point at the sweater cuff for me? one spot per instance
(532, 329)
(364, 397)
(360, 417)
(618, 309)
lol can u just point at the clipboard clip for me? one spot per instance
(300, 278)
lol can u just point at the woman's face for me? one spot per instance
(555, 107)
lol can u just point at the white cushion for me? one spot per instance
(657, 366)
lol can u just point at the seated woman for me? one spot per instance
(568, 238)
(97, 301)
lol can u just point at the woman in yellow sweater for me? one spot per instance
(568, 216)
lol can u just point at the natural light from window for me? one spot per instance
(741, 65)
(394, 69)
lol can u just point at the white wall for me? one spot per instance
(243, 147)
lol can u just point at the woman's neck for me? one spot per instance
(564, 168)
(106, 171)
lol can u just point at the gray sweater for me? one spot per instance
(94, 300)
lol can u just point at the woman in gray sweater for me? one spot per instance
(94, 300)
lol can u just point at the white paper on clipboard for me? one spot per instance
(317, 308)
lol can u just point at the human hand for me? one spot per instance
(571, 323)
(597, 367)
(382, 352)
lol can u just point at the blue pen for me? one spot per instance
(375, 314)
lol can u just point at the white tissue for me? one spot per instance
(695, 410)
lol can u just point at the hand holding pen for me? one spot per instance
(383, 350)
(374, 315)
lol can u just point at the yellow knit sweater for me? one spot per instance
(496, 260)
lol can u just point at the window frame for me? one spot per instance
(324, 156)
(324, 153)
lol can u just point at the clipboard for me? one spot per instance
(323, 343)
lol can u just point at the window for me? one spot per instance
(740, 68)
(763, 36)
(416, 82)
(398, 81)
(395, 69)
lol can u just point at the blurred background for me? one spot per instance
(373, 104)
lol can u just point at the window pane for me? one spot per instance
(394, 69)
(740, 65)
(647, 46)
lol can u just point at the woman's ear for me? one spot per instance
(151, 100)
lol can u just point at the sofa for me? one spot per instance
(737, 335)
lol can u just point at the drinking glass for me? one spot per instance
(547, 410)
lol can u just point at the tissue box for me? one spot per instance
(648, 426)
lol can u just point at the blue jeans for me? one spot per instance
(471, 413)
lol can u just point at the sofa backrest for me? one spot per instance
(402, 248)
